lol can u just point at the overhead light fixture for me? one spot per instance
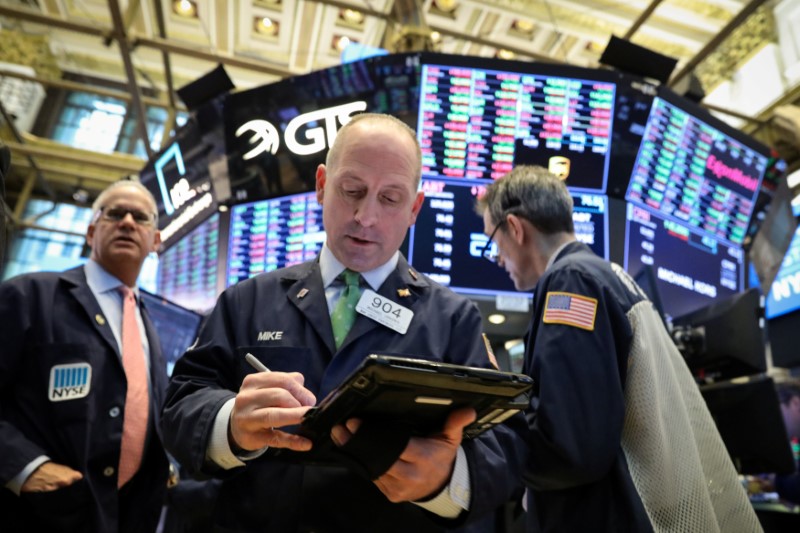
(505, 54)
(496, 318)
(447, 6)
(340, 42)
(266, 26)
(523, 26)
(352, 16)
(436, 36)
(185, 8)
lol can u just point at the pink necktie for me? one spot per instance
(134, 425)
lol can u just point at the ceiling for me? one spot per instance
(148, 51)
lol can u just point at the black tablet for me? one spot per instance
(419, 394)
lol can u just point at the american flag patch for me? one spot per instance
(570, 310)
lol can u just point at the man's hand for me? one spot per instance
(425, 466)
(50, 476)
(266, 401)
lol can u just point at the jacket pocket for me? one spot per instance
(68, 509)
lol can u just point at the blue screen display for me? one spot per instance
(692, 269)
(447, 239)
(784, 293)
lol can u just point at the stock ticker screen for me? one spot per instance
(477, 123)
(693, 173)
(187, 272)
(447, 239)
(445, 243)
(271, 234)
(692, 268)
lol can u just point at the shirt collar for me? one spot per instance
(330, 268)
(100, 281)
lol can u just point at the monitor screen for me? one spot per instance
(783, 308)
(645, 278)
(784, 293)
(692, 269)
(175, 325)
(181, 181)
(725, 339)
(478, 122)
(271, 234)
(447, 239)
(188, 271)
(749, 420)
(693, 169)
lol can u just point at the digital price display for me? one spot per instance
(695, 174)
(271, 234)
(692, 269)
(187, 272)
(590, 217)
(447, 240)
(478, 124)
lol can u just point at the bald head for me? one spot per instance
(379, 122)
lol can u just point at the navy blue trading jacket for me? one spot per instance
(52, 319)
(282, 318)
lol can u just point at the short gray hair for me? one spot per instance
(533, 193)
(101, 198)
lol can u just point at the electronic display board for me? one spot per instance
(181, 181)
(445, 242)
(271, 234)
(477, 123)
(187, 272)
(696, 171)
(692, 269)
(176, 326)
(277, 134)
(784, 293)
(447, 239)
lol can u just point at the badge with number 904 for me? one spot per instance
(384, 311)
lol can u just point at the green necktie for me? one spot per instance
(344, 314)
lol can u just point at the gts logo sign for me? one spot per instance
(324, 121)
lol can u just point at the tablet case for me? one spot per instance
(418, 394)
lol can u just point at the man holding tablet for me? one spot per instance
(311, 325)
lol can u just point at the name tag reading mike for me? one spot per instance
(384, 311)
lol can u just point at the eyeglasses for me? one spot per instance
(490, 251)
(116, 214)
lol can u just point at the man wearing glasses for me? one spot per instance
(81, 380)
(620, 439)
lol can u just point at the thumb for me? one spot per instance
(456, 422)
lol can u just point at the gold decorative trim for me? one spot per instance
(30, 50)
(745, 41)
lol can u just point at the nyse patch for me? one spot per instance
(69, 382)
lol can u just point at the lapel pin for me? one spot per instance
(413, 274)
(403, 293)
(100, 320)
(302, 294)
